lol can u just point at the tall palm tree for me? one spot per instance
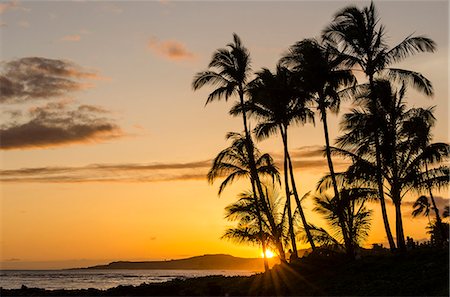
(277, 104)
(245, 212)
(234, 163)
(229, 71)
(362, 41)
(323, 76)
(402, 158)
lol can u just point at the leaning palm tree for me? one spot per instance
(320, 69)
(229, 71)
(362, 42)
(277, 104)
(233, 163)
(245, 212)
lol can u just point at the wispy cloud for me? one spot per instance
(34, 78)
(71, 38)
(152, 172)
(110, 173)
(170, 49)
(56, 124)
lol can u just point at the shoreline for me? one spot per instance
(421, 272)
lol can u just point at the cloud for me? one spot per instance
(71, 38)
(56, 124)
(110, 173)
(5, 6)
(34, 78)
(309, 151)
(170, 49)
(153, 172)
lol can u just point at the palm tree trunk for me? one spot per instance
(264, 249)
(251, 157)
(436, 210)
(288, 194)
(348, 243)
(261, 234)
(294, 190)
(399, 227)
(379, 178)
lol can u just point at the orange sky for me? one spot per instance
(130, 184)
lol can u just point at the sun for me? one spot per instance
(269, 254)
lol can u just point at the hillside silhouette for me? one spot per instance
(205, 262)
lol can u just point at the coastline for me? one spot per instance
(421, 272)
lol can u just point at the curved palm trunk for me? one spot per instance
(347, 241)
(288, 195)
(294, 190)
(379, 178)
(261, 234)
(253, 171)
(436, 210)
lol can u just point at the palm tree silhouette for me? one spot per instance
(362, 42)
(231, 67)
(276, 103)
(419, 127)
(421, 207)
(245, 212)
(350, 205)
(322, 75)
(403, 158)
(234, 163)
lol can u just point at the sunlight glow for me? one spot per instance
(269, 254)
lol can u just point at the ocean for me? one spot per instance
(99, 279)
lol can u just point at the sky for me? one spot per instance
(105, 146)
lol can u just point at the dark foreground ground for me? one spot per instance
(422, 272)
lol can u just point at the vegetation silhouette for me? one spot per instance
(244, 211)
(233, 66)
(323, 76)
(234, 162)
(362, 41)
(389, 144)
(276, 102)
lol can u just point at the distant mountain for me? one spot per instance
(205, 262)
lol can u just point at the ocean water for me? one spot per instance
(99, 279)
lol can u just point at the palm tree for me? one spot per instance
(245, 212)
(349, 204)
(419, 128)
(230, 69)
(234, 163)
(446, 212)
(362, 42)
(321, 72)
(403, 158)
(276, 103)
(421, 207)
